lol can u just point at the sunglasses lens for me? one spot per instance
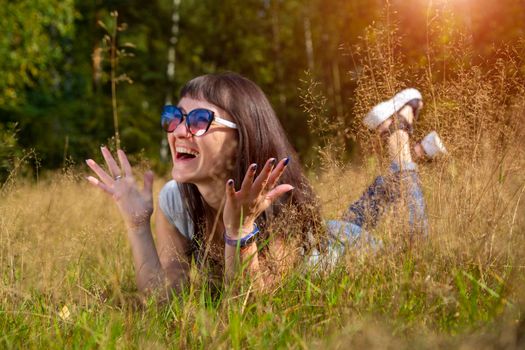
(171, 117)
(199, 121)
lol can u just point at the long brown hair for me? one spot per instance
(260, 137)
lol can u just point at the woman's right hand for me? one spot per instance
(135, 205)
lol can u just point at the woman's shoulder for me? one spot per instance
(169, 186)
(169, 196)
(171, 204)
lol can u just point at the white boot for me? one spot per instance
(432, 146)
(386, 109)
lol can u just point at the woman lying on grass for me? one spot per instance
(236, 181)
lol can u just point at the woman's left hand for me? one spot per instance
(244, 206)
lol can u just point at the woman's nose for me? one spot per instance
(181, 130)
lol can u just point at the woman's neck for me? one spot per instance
(213, 193)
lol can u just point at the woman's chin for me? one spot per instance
(186, 174)
(181, 176)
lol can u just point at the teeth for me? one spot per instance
(181, 149)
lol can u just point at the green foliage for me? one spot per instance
(8, 149)
(35, 35)
(54, 76)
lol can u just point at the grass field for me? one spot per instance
(68, 281)
(67, 278)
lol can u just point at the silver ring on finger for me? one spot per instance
(118, 177)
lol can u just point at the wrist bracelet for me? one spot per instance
(244, 241)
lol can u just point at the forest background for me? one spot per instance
(55, 63)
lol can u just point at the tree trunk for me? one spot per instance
(170, 69)
(308, 42)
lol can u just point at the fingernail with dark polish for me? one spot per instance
(230, 182)
(286, 161)
(253, 167)
(272, 161)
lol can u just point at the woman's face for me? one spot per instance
(206, 158)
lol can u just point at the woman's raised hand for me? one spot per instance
(253, 197)
(135, 205)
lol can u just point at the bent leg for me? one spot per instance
(384, 192)
(410, 193)
(400, 184)
(373, 202)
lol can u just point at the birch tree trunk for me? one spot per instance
(170, 69)
(308, 42)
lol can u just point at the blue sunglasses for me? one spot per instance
(198, 121)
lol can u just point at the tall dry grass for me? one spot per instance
(474, 196)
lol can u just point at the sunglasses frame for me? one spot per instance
(184, 119)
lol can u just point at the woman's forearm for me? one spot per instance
(149, 273)
(244, 261)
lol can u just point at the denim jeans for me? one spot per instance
(385, 192)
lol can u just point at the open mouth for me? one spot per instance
(184, 153)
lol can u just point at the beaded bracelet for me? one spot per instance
(244, 241)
